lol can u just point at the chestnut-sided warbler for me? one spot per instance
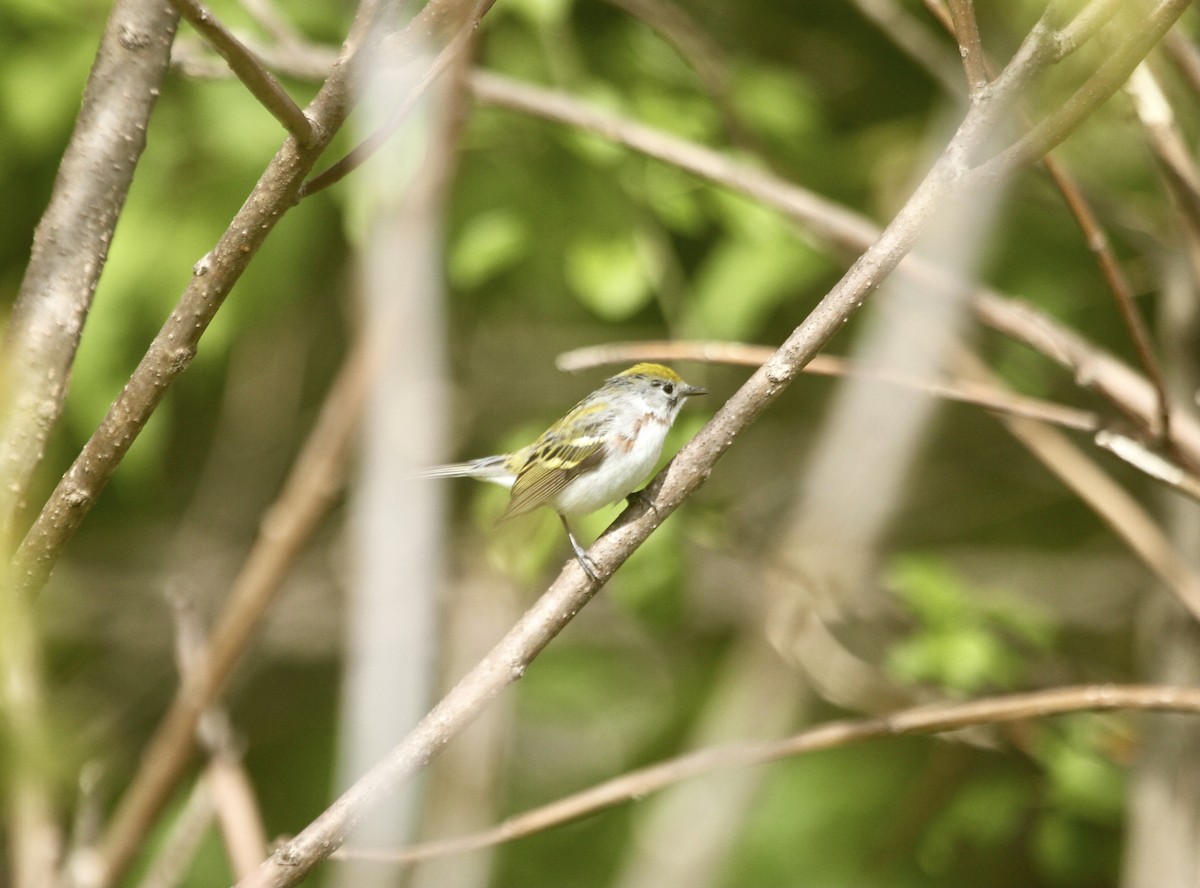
(595, 455)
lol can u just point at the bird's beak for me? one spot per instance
(690, 391)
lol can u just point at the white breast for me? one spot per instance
(618, 475)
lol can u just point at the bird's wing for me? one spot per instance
(555, 459)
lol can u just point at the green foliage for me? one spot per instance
(488, 245)
(610, 276)
(557, 238)
(966, 640)
(986, 814)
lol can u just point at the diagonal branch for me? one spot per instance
(311, 487)
(1083, 27)
(687, 472)
(966, 29)
(70, 247)
(839, 227)
(962, 391)
(174, 347)
(363, 152)
(71, 243)
(936, 718)
(256, 78)
(1094, 92)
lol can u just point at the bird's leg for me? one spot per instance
(589, 566)
(641, 498)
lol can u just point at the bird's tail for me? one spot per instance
(489, 468)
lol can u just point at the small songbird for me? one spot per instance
(597, 454)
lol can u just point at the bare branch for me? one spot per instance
(935, 718)
(844, 229)
(71, 243)
(272, 20)
(1170, 147)
(1093, 17)
(1086, 25)
(1128, 519)
(690, 468)
(249, 69)
(988, 397)
(1186, 57)
(304, 61)
(234, 803)
(1094, 92)
(1149, 463)
(362, 152)
(1118, 285)
(310, 489)
(966, 30)
(174, 347)
(182, 840)
(70, 247)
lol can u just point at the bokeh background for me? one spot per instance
(989, 574)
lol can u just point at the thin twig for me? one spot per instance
(936, 718)
(362, 152)
(1086, 25)
(1169, 145)
(1115, 506)
(256, 78)
(1098, 243)
(1095, 91)
(1149, 463)
(236, 807)
(274, 22)
(966, 31)
(70, 245)
(307, 61)
(311, 487)
(1186, 58)
(844, 229)
(963, 391)
(174, 347)
(182, 840)
(573, 589)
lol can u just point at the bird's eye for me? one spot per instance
(669, 388)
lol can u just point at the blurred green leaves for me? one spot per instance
(966, 640)
(557, 238)
(488, 244)
(611, 276)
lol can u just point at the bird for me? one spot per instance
(596, 454)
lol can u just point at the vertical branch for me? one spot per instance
(571, 591)
(314, 482)
(966, 30)
(1119, 286)
(1093, 17)
(70, 247)
(71, 243)
(174, 348)
(35, 841)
